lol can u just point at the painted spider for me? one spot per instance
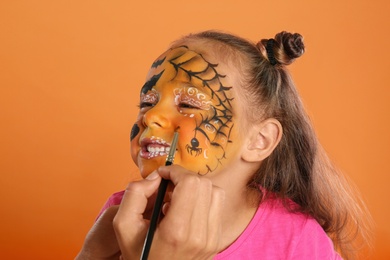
(194, 147)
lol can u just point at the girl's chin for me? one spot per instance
(145, 171)
(147, 166)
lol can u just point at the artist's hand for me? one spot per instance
(101, 243)
(191, 228)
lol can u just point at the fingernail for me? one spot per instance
(152, 176)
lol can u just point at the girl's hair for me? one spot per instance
(298, 169)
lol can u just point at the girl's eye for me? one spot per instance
(186, 105)
(145, 104)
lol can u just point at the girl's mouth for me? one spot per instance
(153, 147)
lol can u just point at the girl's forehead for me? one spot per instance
(183, 57)
(195, 64)
(185, 64)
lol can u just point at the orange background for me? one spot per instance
(70, 73)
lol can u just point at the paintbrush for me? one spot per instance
(159, 201)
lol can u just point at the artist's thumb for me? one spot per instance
(129, 223)
(152, 176)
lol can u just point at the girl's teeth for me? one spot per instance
(157, 149)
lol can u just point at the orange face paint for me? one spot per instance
(184, 90)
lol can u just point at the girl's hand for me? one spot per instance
(191, 227)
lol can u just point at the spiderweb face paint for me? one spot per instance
(184, 89)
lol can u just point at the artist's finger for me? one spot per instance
(190, 198)
(129, 224)
(165, 207)
(174, 173)
(182, 206)
(194, 200)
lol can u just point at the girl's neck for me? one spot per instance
(239, 210)
(241, 203)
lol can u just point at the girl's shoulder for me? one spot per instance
(279, 231)
(114, 199)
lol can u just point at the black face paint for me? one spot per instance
(134, 131)
(194, 148)
(158, 63)
(194, 142)
(151, 83)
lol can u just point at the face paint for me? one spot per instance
(191, 97)
(194, 149)
(134, 132)
(151, 97)
(184, 90)
(158, 63)
(150, 83)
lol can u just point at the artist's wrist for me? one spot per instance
(85, 254)
(82, 255)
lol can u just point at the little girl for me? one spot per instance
(250, 180)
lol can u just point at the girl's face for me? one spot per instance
(186, 92)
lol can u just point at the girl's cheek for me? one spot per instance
(186, 114)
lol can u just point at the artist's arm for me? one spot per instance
(101, 243)
(191, 226)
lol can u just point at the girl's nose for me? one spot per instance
(157, 117)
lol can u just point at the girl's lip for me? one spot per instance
(154, 147)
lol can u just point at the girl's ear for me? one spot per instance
(262, 140)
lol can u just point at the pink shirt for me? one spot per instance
(273, 233)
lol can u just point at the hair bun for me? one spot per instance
(291, 43)
(285, 48)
